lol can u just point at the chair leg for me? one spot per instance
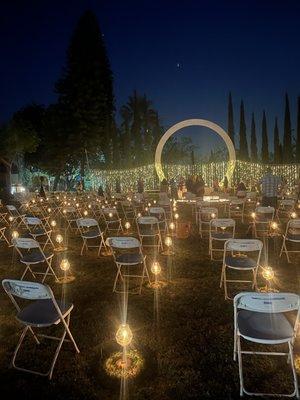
(293, 370)
(23, 334)
(240, 365)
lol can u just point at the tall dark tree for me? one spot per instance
(287, 135)
(298, 132)
(86, 93)
(264, 143)
(253, 146)
(277, 150)
(230, 128)
(244, 154)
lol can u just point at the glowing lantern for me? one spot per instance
(294, 215)
(53, 223)
(15, 234)
(59, 238)
(124, 335)
(127, 225)
(253, 215)
(168, 241)
(49, 210)
(176, 216)
(110, 215)
(274, 225)
(172, 226)
(65, 265)
(85, 213)
(10, 218)
(268, 274)
(213, 215)
(156, 268)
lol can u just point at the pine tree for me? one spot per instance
(244, 154)
(287, 136)
(277, 154)
(265, 144)
(298, 132)
(86, 93)
(253, 140)
(230, 128)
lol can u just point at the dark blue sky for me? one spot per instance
(249, 47)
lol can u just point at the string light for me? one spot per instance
(274, 225)
(124, 335)
(155, 268)
(15, 234)
(65, 265)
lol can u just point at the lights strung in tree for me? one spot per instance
(49, 210)
(110, 214)
(124, 335)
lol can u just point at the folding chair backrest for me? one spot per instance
(251, 195)
(26, 290)
(237, 202)
(147, 220)
(33, 221)
(243, 245)
(11, 207)
(222, 223)
(159, 211)
(287, 203)
(267, 302)
(293, 224)
(25, 243)
(86, 222)
(69, 209)
(265, 210)
(123, 242)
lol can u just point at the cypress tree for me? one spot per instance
(230, 128)
(264, 144)
(85, 93)
(244, 155)
(287, 136)
(298, 132)
(253, 140)
(277, 154)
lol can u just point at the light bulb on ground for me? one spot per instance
(139, 215)
(65, 265)
(156, 268)
(268, 274)
(53, 224)
(10, 218)
(174, 209)
(124, 335)
(127, 225)
(176, 216)
(110, 215)
(274, 225)
(149, 204)
(59, 239)
(168, 241)
(154, 201)
(146, 208)
(15, 234)
(89, 206)
(172, 226)
(253, 215)
(213, 215)
(49, 210)
(77, 204)
(294, 215)
(85, 213)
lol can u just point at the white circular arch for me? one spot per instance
(198, 122)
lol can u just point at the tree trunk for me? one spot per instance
(5, 182)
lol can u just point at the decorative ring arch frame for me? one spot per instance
(195, 122)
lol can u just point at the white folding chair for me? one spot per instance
(128, 210)
(285, 209)
(31, 254)
(148, 228)
(112, 220)
(160, 214)
(90, 231)
(43, 311)
(71, 214)
(18, 218)
(205, 215)
(39, 230)
(263, 318)
(220, 230)
(291, 235)
(262, 220)
(127, 253)
(240, 255)
(236, 209)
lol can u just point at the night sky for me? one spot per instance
(185, 55)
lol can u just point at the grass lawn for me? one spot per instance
(184, 333)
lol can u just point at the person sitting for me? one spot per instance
(241, 190)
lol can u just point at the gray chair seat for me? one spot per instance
(148, 231)
(130, 258)
(240, 262)
(42, 312)
(35, 257)
(38, 231)
(264, 326)
(221, 235)
(91, 234)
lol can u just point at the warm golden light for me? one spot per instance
(172, 226)
(294, 215)
(176, 216)
(110, 214)
(15, 234)
(146, 208)
(156, 268)
(274, 225)
(213, 215)
(53, 223)
(268, 274)
(168, 241)
(59, 239)
(49, 210)
(77, 204)
(10, 218)
(85, 213)
(65, 265)
(127, 225)
(89, 206)
(124, 335)
(253, 215)
(139, 214)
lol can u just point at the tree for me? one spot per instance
(86, 94)
(253, 140)
(230, 129)
(16, 139)
(244, 154)
(298, 132)
(287, 135)
(264, 143)
(277, 145)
